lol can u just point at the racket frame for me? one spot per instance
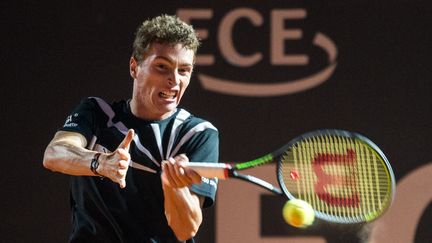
(231, 170)
(346, 134)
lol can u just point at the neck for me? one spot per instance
(142, 113)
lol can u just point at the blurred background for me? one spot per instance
(363, 66)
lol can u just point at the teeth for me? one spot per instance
(167, 94)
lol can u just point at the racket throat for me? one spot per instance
(256, 181)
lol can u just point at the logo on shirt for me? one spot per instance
(69, 121)
(210, 182)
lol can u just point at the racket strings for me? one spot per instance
(338, 176)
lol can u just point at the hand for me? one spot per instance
(115, 165)
(176, 175)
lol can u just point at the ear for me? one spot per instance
(133, 65)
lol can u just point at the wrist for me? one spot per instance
(94, 164)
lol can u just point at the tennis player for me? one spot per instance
(125, 158)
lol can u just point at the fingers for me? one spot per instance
(193, 176)
(174, 174)
(127, 140)
(123, 164)
(116, 164)
(119, 173)
(165, 177)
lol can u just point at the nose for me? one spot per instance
(173, 78)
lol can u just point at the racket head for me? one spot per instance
(343, 175)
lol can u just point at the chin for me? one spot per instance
(170, 109)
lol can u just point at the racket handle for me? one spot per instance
(210, 170)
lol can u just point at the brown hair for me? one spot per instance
(164, 29)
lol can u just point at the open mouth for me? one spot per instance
(168, 94)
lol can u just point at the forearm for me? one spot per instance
(68, 159)
(183, 211)
(67, 154)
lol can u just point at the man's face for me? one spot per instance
(160, 80)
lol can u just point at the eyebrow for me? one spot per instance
(171, 61)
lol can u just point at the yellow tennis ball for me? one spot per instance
(298, 213)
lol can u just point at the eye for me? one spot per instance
(185, 71)
(161, 66)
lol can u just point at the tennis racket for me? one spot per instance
(343, 175)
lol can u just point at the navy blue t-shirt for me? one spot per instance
(101, 210)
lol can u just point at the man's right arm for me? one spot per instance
(66, 153)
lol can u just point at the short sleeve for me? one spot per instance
(82, 119)
(206, 149)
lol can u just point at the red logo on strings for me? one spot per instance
(326, 180)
